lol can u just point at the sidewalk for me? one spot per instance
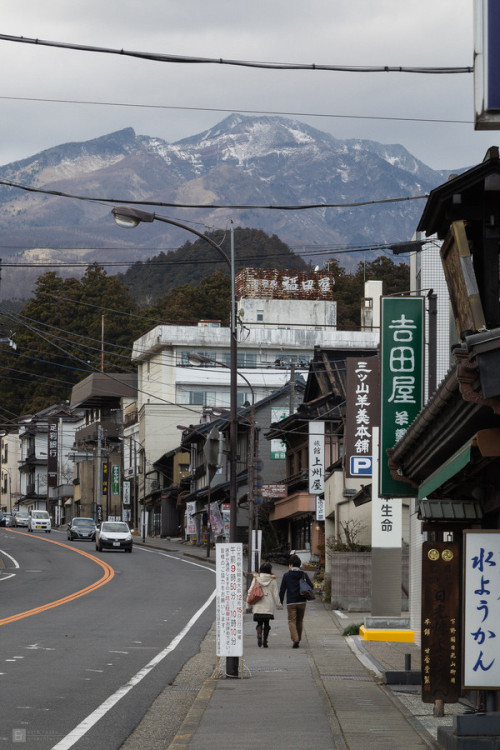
(329, 693)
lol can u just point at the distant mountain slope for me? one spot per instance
(245, 161)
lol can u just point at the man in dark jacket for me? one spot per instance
(295, 603)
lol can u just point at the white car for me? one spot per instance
(113, 535)
(39, 520)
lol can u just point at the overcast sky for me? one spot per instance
(173, 101)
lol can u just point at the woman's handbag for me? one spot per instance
(255, 594)
(305, 590)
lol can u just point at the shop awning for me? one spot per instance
(487, 443)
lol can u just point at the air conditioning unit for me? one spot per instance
(129, 472)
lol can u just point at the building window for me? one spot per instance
(260, 316)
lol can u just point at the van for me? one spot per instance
(39, 520)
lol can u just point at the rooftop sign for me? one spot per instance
(278, 284)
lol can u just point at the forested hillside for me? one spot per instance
(58, 332)
(153, 278)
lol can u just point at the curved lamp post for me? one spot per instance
(201, 359)
(128, 218)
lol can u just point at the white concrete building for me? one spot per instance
(171, 392)
(282, 316)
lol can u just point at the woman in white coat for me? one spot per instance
(263, 609)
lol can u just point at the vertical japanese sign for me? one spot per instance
(320, 508)
(190, 521)
(105, 478)
(481, 610)
(126, 493)
(387, 512)
(115, 479)
(52, 449)
(441, 620)
(216, 522)
(278, 447)
(229, 599)
(401, 379)
(362, 413)
(316, 458)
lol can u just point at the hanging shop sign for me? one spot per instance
(486, 65)
(52, 451)
(316, 458)
(278, 447)
(362, 413)
(115, 479)
(401, 380)
(481, 610)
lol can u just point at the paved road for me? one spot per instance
(88, 640)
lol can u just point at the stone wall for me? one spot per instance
(352, 581)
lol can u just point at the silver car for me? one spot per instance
(20, 519)
(113, 535)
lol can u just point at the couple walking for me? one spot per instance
(263, 609)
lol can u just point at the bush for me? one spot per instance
(352, 629)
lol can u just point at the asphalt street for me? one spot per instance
(89, 640)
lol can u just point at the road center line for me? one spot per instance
(108, 575)
(87, 724)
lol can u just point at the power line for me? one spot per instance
(222, 110)
(185, 59)
(204, 206)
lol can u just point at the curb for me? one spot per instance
(191, 723)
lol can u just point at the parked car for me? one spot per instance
(20, 519)
(39, 520)
(113, 535)
(3, 522)
(8, 519)
(81, 528)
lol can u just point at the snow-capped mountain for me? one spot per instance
(243, 161)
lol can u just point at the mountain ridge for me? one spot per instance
(265, 161)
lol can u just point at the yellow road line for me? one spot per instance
(108, 575)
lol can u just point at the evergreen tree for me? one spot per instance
(58, 338)
(349, 288)
(208, 300)
(194, 261)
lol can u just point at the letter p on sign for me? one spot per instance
(361, 465)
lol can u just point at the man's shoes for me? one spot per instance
(265, 644)
(295, 644)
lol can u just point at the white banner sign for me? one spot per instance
(126, 493)
(482, 610)
(320, 509)
(387, 512)
(229, 599)
(316, 457)
(190, 521)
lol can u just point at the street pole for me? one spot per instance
(233, 428)
(128, 217)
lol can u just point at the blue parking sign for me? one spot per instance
(361, 466)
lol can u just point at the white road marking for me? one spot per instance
(12, 559)
(4, 578)
(340, 614)
(87, 724)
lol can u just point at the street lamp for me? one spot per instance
(128, 218)
(197, 359)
